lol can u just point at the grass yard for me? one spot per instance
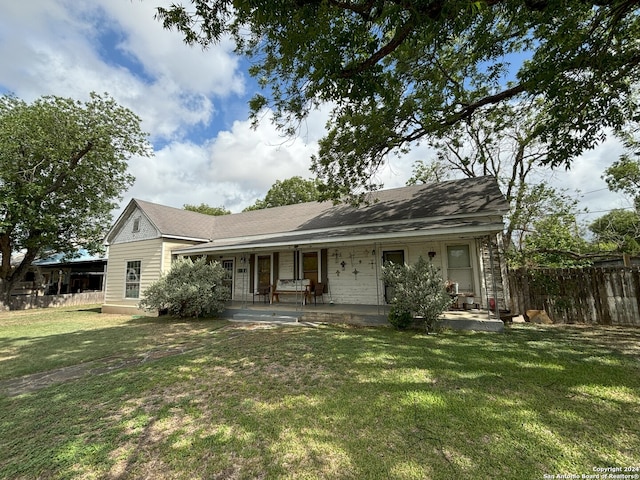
(243, 402)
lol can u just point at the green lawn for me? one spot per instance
(326, 402)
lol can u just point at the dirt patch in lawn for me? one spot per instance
(36, 381)
(31, 383)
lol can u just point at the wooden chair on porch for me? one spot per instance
(318, 291)
(262, 291)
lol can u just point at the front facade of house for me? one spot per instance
(453, 224)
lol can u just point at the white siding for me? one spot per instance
(345, 286)
(149, 252)
(167, 247)
(155, 256)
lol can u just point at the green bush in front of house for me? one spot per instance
(419, 289)
(401, 319)
(189, 289)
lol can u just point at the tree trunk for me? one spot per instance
(12, 275)
(5, 294)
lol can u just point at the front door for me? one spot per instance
(391, 256)
(264, 272)
(310, 267)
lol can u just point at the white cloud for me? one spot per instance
(52, 47)
(257, 158)
(165, 56)
(233, 169)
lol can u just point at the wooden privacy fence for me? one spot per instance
(604, 296)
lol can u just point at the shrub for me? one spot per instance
(189, 289)
(417, 288)
(399, 318)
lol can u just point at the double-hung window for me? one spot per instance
(132, 280)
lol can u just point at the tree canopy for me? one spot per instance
(398, 71)
(288, 192)
(63, 165)
(623, 176)
(503, 144)
(207, 209)
(620, 229)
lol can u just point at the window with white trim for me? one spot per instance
(459, 267)
(132, 280)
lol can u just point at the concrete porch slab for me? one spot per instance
(362, 315)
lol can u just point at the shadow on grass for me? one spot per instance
(85, 335)
(93, 310)
(341, 403)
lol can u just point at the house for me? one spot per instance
(59, 273)
(454, 224)
(82, 272)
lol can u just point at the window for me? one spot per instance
(136, 225)
(459, 267)
(228, 278)
(132, 280)
(393, 256)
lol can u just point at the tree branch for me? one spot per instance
(469, 109)
(73, 163)
(400, 36)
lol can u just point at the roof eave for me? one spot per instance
(469, 231)
(190, 239)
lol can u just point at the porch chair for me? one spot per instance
(318, 291)
(262, 291)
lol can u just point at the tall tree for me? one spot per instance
(207, 209)
(502, 144)
(624, 175)
(288, 192)
(546, 232)
(399, 71)
(554, 242)
(430, 171)
(618, 229)
(63, 165)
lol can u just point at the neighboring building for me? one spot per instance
(343, 247)
(60, 274)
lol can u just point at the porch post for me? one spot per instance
(493, 279)
(377, 253)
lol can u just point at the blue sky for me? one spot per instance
(192, 102)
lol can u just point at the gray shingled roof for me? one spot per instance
(176, 222)
(415, 205)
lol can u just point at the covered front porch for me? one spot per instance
(361, 315)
